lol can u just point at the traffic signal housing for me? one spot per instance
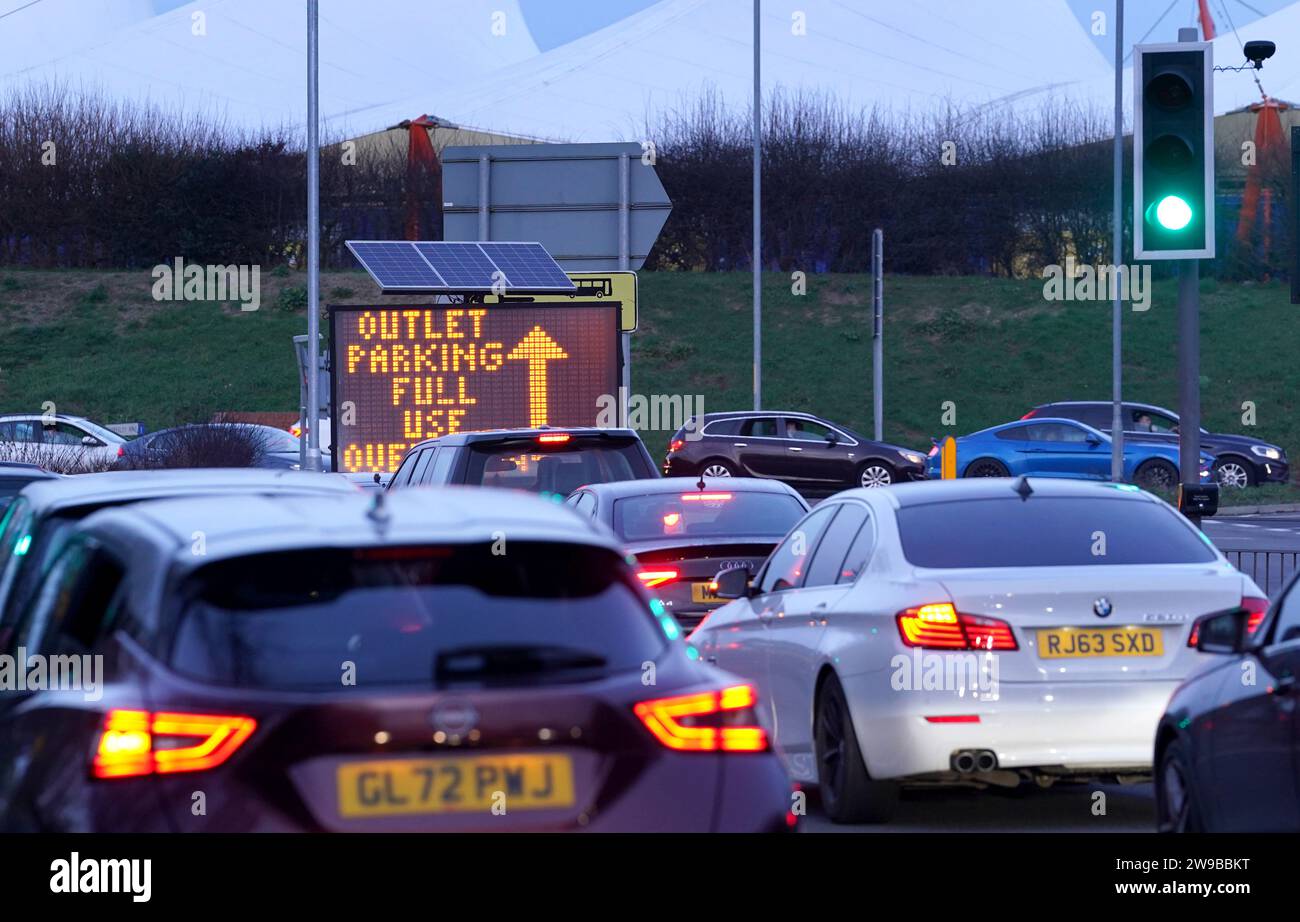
(1173, 151)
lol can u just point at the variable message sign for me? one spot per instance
(401, 374)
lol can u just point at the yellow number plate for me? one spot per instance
(700, 592)
(1074, 643)
(470, 784)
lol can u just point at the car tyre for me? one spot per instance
(1157, 474)
(1176, 807)
(848, 794)
(987, 467)
(876, 474)
(716, 467)
(1233, 473)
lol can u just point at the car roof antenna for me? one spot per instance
(378, 512)
(701, 485)
(1023, 488)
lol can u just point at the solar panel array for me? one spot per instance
(403, 265)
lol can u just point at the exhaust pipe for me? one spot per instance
(963, 761)
(972, 761)
(986, 760)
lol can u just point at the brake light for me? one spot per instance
(295, 430)
(714, 721)
(121, 451)
(705, 497)
(1030, 415)
(135, 743)
(676, 445)
(1257, 609)
(932, 452)
(941, 626)
(652, 578)
(554, 438)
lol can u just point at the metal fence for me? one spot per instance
(1271, 570)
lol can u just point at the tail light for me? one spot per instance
(121, 451)
(1031, 414)
(676, 445)
(1255, 606)
(714, 721)
(933, 451)
(652, 578)
(941, 626)
(296, 431)
(134, 743)
(554, 438)
(706, 497)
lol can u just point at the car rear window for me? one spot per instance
(559, 468)
(705, 515)
(413, 616)
(1046, 531)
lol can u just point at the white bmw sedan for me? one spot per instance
(986, 631)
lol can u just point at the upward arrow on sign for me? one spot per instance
(537, 348)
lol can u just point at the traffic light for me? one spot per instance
(1173, 151)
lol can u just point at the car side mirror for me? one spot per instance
(90, 441)
(1222, 632)
(1093, 441)
(733, 583)
(832, 438)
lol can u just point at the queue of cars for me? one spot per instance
(623, 651)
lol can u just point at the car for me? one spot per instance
(1050, 447)
(813, 455)
(683, 530)
(374, 663)
(1228, 745)
(39, 518)
(554, 462)
(59, 440)
(1239, 460)
(15, 475)
(1012, 633)
(214, 445)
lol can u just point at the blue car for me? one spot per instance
(1063, 448)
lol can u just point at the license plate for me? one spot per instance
(1074, 643)
(700, 592)
(469, 784)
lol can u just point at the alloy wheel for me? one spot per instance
(876, 475)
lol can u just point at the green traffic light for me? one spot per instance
(1173, 213)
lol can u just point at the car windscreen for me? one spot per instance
(413, 616)
(711, 514)
(559, 469)
(1046, 531)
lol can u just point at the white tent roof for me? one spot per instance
(251, 65)
(386, 60)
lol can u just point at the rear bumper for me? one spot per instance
(1074, 726)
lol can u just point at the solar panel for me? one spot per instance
(528, 266)
(463, 265)
(402, 265)
(395, 264)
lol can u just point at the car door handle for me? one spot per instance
(795, 448)
(741, 445)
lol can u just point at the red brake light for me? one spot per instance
(676, 445)
(1257, 609)
(121, 451)
(714, 721)
(1031, 414)
(135, 743)
(705, 497)
(652, 578)
(554, 438)
(941, 626)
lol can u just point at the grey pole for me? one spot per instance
(878, 331)
(484, 197)
(625, 262)
(1117, 257)
(313, 459)
(1189, 358)
(758, 217)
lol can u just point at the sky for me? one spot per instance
(554, 22)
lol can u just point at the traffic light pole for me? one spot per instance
(1189, 375)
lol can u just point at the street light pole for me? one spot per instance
(758, 217)
(312, 421)
(1117, 244)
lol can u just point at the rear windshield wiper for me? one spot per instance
(511, 659)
